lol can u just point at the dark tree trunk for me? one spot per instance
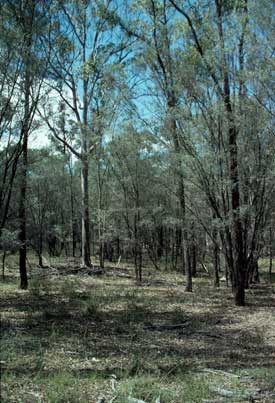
(101, 254)
(239, 260)
(160, 246)
(188, 270)
(194, 257)
(239, 287)
(40, 261)
(22, 217)
(27, 17)
(216, 258)
(178, 244)
(40, 246)
(166, 248)
(216, 266)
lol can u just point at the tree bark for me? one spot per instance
(27, 27)
(22, 205)
(239, 260)
(216, 259)
(86, 253)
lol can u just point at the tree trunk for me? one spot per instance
(40, 246)
(24, 173)
(40, 261)
(270, 253)
(86, 254)
(194, 257)
(22, 213)
(239, 260)
(3, 264)
(73, 221)
(167, 242)
(172, 124)
(188, 267)
(216, 258)
(137, 247)
(160, 242)
(238, 286)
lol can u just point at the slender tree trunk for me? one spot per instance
(3, 264)
(160, 242)
(137, 247)
(216, 258)
(22, 210)
(40, 247)
(270, 253)
(101, 218)
(186, 261)
(194, 257)
(167, 241)
(24, 173)
(101, 237)
(40, 261)
(5, 203)
(216, 266)
(188, 268)
(239, 260)
(86, 254)
(73, 220)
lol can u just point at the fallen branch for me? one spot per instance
(204, 267)
(218, 371)
(217, 336)
(167, 327)
(222, 392)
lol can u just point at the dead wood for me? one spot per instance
(168, 327)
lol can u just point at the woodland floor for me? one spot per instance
(80, 338)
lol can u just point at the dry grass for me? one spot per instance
(76, 338)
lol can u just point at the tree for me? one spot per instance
(154, 31)
(10, 134)
(226, 124)
(26, 20)
(83, 70)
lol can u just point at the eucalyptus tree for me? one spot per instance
(10, 134)
(86, 66)
(230, 115)
(25, 24)
(152, 24)
(132, 191)
(48, 203)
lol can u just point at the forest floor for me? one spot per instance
(79, 338)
